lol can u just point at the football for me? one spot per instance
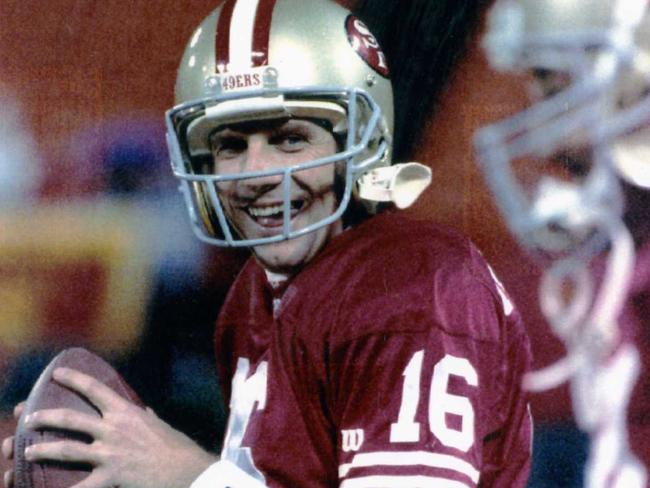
(46, 393)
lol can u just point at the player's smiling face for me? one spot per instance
(254, 206)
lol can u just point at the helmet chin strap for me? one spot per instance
(601, 369)
(400, 183)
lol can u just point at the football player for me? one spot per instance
(356, 348)
(553, 170)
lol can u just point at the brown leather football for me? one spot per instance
(46, 393)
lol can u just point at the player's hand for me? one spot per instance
(131, 448)
(8, 449)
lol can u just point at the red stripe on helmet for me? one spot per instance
(262, 32)
(222, 42)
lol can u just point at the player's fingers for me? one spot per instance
(65, 419)
(8, 448)
(97, 392)
(18, 409)
(8, 478)
(65, 451)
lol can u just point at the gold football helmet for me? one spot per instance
(265, 59)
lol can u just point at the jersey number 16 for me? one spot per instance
(441, 403)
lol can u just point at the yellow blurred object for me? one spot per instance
(74, 273)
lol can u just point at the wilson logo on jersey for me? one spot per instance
(351, 439)
(366, 45)
(242, 39)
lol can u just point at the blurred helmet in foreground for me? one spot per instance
(549, 166)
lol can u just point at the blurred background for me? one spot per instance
(95, 246)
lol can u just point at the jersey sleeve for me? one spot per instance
(507, 451)
(430, 394)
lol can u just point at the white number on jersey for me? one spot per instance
(441, 402)
(246, 394)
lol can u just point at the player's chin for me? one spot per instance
(291, 255)
(288, 257)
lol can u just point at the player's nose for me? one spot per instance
(261, 157)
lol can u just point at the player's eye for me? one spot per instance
(227, 147)
(289, 140)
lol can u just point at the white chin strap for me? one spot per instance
(401, 183)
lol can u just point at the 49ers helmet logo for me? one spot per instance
(366, 45)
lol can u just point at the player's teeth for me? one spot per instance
(265, 211)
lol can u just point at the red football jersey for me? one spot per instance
(394, 358)
(635, 320)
